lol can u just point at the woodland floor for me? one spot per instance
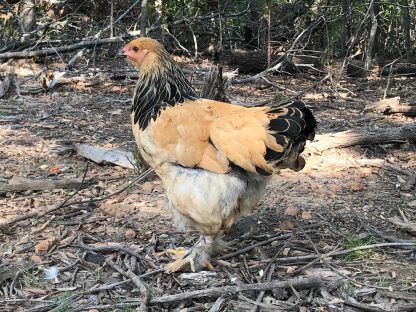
(341, 200)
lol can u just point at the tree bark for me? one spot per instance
(371, 37)
(143, 18)
(27, 19)
(159, 19)
(406, 27)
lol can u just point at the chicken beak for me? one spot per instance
(122, 52)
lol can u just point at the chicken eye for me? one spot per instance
(135, 49)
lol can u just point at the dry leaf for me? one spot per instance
(68, 240)
(286, 226)
(36, 291)
(119, 210)
(306, 215)
(290, 269)
(36, 259)
(129, 234)
(286, 251)
(147, 187)
(107, 244)
(356, 186)
(291, 210)
(44, 246)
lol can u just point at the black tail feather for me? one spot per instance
(294, 125)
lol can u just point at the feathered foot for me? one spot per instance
(197, 256)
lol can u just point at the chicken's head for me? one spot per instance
(143, 52)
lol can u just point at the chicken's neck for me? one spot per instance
(157, 89)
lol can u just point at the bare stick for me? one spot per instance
(144, 293)
(104, 287)
(83, 246)
(267, 241)
(261, 294)
(305, 283)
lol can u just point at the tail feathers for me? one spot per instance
(289, 129)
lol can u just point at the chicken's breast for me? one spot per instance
(209, 201)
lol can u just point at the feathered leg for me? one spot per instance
(197, 256)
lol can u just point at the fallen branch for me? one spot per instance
(351, 138)
(125, 250)
(406, 226)
(304, 283)
(392, 106)
(26, 184)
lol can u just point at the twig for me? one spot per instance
(217, 305)
(104, 287)
(305, 283)
(267, 241)
(354, 303)
(144, 293)
(343, 252)
(83, 246)
(261, 294)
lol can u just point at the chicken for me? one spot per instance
(214, 158)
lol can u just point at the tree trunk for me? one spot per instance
(143, 18)
(27, 19)
(159, 19)
(406, 27)
(371, 37)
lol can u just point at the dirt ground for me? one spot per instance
(343, 199)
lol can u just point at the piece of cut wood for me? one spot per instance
(363, 137)
(392, 106)
(407, 226)
(102, 155)
(26, 184)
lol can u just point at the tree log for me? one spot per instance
(405, 69)
(357, 137)
(253, 62)
(24, 184)
(392, 106)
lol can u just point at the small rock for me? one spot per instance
(43, 167)
(163, 236)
